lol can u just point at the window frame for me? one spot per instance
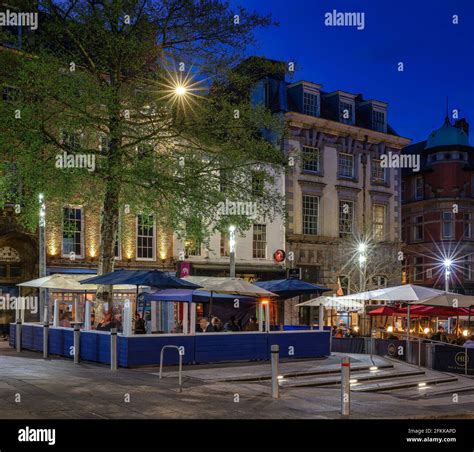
(341, 155)
(257, 244)
(304, 215)
(81, 232)
(145, 259)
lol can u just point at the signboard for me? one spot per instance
(279, 256)
(294, 273)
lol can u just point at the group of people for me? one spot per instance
(216, 326)
(343, 332)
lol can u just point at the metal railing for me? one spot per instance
(421, 340)
(180, 378)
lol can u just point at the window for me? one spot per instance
(311, 159)
(378, 221)
(72, 232)
(418, 269)
(418, 188)
(447, 225)
(379, 281)
(418, 228)
(378, 120)
(259, 245)
(192, 247)
(346, 217)
(145, 237)
(468, 267)
(258, 183)
(345, 165)
(346, 113)
(310, 214)
(310, 103)
(468, 226)
(224, 245)
(379, 173)
(403, 191)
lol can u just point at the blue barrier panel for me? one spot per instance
(452, 359)
(301, 344)
(122, 351)
(95, 347)
(38, 338)
(394, 348)
(12, 338)
(347, 345)
(27, 337)
(68, 343)
(145, 350)
(56, 341)
(215, 347)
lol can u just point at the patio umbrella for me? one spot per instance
(235, 286)
(405, 292)
(449, 300)
(289, 288)
(383, 310)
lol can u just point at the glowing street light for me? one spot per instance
(362, 249)
(447, 271)
(180, 90)
(232, 250)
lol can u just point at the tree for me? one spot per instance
(151, 94)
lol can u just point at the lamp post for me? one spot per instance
(447, 271)
(362, 249)
(232, 250)
(42, 255)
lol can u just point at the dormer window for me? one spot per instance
(378, 121)
(346, 113)
(310, 103)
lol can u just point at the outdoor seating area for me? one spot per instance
(212, 319)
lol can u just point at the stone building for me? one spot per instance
(438, 210)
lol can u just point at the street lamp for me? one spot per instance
(447, 271)
(42, 253)
(232, 250)
(180, 90)
(362, 249)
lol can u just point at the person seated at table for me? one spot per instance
(140, 327)
(349, 333)
(106, 323)
(252, 325)
(64, 320)
(440, 335)
(205, 325)
(232, 324)
(216, 324)
(469, 343)
(339, 333)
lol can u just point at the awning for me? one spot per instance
(196, 296)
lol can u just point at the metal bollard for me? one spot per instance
(275, 353)
(345, 386)
(113, 349)
(18, 335)
(77, 343)
(45, 340)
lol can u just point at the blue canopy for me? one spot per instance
(289, 288)
(153, 278)
(195, 296)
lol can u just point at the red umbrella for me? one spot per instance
(383, 310)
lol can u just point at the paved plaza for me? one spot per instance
(33, 388)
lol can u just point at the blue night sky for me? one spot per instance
(438, 56)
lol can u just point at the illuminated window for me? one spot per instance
(145, 237)
(310, 214)
(259, 244)
(73, 237)
(378, 221)
(346, 217)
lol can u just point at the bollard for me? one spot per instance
(275, 353)
(45, 339)
(18, 335)
(345, 386)
(77, 342)
(113, 349)
(466, 358)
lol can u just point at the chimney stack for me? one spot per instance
(462, 124)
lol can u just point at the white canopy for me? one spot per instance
(405, 292)
(450, 299)
(334, 303)
(68, 282)
(237, 286)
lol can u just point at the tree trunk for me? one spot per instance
(108, 236)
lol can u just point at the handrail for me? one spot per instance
(180, 379)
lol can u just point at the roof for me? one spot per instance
(447, 135)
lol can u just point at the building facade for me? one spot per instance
(438, 210)
(339, 193)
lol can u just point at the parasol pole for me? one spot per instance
(469, 318)
(408, 331)
(210, 305)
